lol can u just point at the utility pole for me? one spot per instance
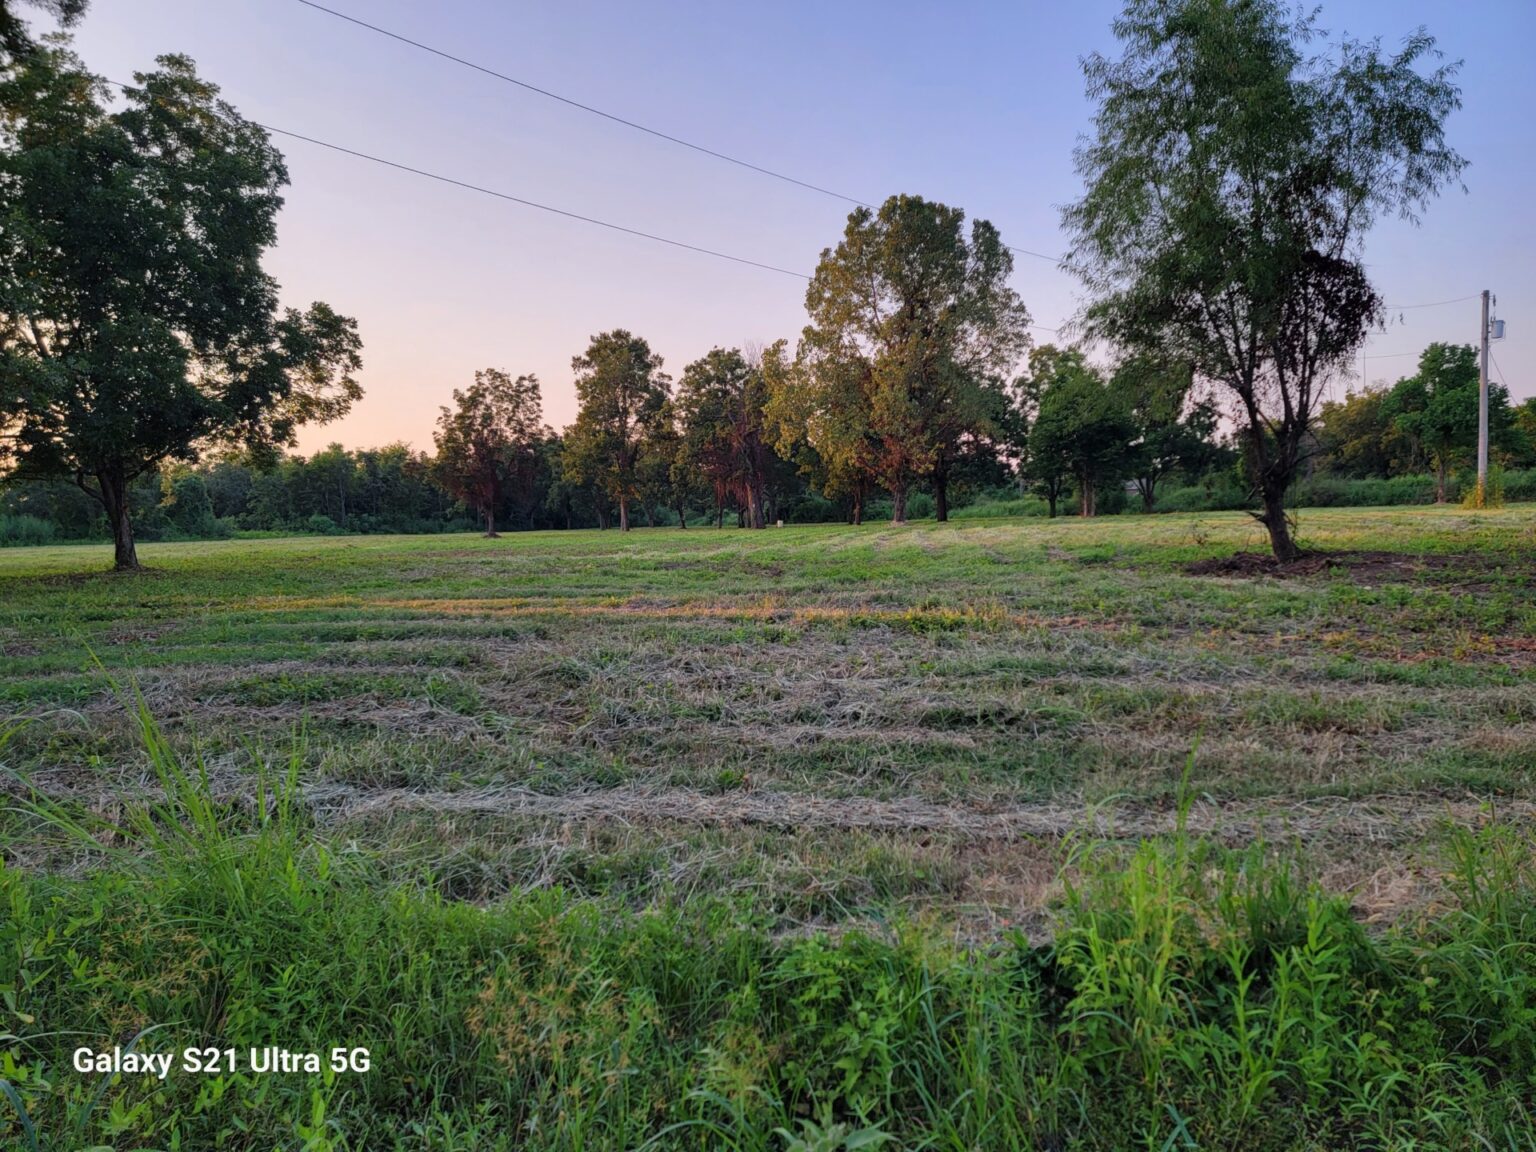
(1482, 408)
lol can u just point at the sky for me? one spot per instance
(975, 104)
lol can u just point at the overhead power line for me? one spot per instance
(656, 132)
(578, 104)
(480, 188)
(532, 203)
(1405, 307)
(545, 207)
(514, 199)
(1432, 304)
(678, 140)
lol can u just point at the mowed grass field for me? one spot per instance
(832, 717)
(1000, 833)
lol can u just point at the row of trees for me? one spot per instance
(902, 369)
(744, 432)
(387, 489)
(902, 379)
(1070, 431)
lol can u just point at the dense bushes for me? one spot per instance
(16, 530)
(1003, 504)
(381, 492)
(384, 490)
(1222, 493)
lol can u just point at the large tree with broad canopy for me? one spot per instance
(136, 323)
(1232, 175)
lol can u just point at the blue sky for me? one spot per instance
(976, 104)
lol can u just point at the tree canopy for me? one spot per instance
(913, 328)
(488, 442)
(622, 391)
(1172, 429)
(721, 402)
(1230, 181)
(136, 323)
(1359, 438)
(1081, 426)
(1436, 409)
(15, 37)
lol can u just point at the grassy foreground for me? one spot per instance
(943, 837)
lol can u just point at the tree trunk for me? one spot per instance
(114, 498)
(1279, 525)
(490, 523)
(650, 515)
(1148, 489)
(899, 506)
(1085, 494)
(858, 509)
(623, 513)
(755, 514)
(941, 496)
(1050, 500)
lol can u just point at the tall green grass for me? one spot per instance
(1193, 997)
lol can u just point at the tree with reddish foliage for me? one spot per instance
(488, 443)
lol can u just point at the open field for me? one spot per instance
(772, 712)
(785, 739)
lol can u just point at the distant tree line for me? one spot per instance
(1083, 439)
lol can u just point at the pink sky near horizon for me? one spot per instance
(977, 104)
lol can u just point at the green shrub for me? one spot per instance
(22, 531)
(321, 525)
(811, 508)
(1324, 491)
(986, 509)
(1520, 486)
